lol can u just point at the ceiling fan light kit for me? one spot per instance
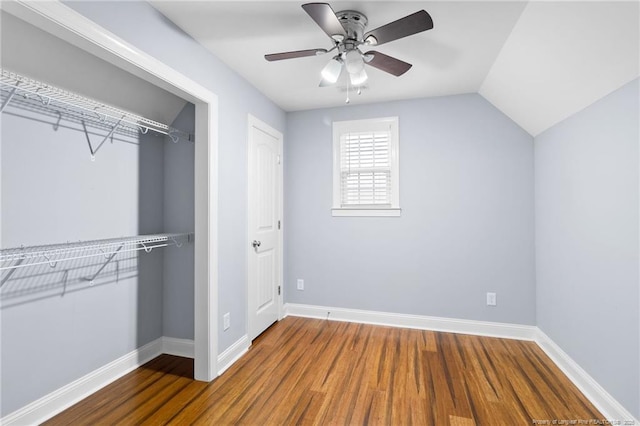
(358, 78)
(332, 70)
(346, 29)
(353, 61)
(371, 40)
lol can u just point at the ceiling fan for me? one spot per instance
(347, 31)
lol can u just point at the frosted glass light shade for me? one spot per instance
(358, 78)
(353, 61)
(331, 71)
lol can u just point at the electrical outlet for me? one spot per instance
(300, 284)
(491, 299)
(226, 320)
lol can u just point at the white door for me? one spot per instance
(265, 237)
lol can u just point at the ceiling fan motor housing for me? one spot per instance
(354, 24)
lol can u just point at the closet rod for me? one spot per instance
(21, 257)
(64, 102)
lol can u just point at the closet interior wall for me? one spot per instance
(55, 326)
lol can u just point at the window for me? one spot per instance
(365, 167)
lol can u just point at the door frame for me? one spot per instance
(252, 121)
(61, 21)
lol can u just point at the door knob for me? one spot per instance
(256, 244)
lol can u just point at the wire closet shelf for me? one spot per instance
(38, 96)
(53, 253)
(20, 257)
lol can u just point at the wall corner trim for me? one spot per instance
(57, 401)
(449, 325)
(610, 408)
(233, 353)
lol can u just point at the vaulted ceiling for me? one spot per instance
(538, 62)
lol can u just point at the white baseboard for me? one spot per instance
(610, 408)
(64, 397)
(185, 348)
(227, 358)
(178, 347)
(450, 325)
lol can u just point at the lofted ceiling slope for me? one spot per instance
(561, 57)
(538, 62)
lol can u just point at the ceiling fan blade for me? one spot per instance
(295, 54)
(403, 27)
(386, 63)
(326, 18)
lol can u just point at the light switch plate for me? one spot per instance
(226, 321)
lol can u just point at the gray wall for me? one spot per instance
(146, 28)
(466, 193)
(587, 252)
(51, 192)
(178, 273)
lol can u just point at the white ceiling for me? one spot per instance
(537, 62)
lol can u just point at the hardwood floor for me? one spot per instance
(305, 371)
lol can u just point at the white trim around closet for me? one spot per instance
(61, 21)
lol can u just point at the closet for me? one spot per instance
(97, 214)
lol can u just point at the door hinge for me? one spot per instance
(278, 290)
(278, 159)
(278, 224)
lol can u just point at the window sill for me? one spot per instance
(393, 212)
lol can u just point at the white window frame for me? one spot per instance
(367, 125)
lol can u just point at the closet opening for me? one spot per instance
(109, 200)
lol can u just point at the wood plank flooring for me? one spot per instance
(305, 371)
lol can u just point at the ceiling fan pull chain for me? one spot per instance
(347, 101)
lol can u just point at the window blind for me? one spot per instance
(365, 168)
